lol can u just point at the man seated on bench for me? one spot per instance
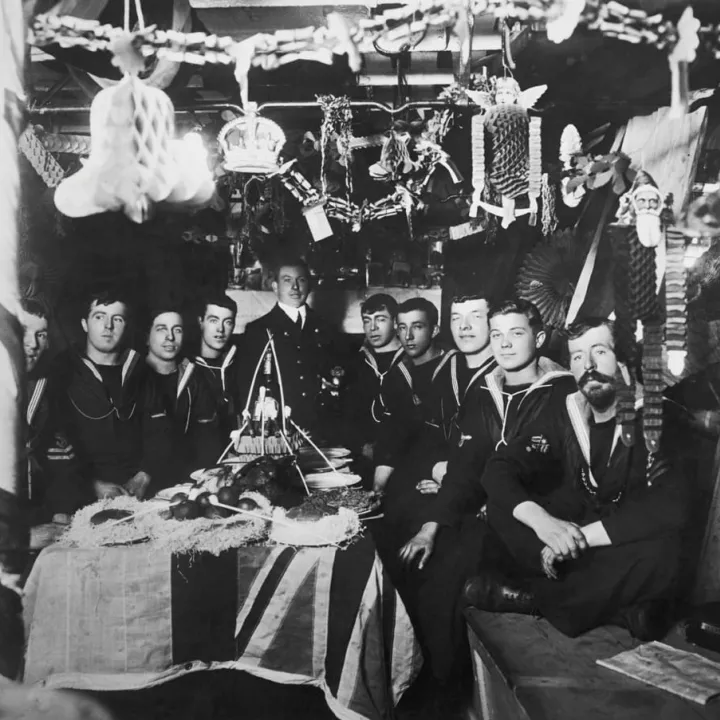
(587, 530)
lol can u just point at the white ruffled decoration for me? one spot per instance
(135, 161)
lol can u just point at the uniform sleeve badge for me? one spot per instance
(464, 439)
(61, 442)
(538, 443)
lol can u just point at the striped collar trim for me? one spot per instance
(37, 394)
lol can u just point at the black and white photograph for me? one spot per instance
(360, 360)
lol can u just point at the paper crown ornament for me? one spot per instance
(135, 161)
(251, 144)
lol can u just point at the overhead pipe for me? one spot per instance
(211, 107)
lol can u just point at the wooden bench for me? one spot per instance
(527, 670)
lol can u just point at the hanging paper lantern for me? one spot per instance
(514, 161)
(547, 277)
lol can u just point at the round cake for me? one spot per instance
(314, 523)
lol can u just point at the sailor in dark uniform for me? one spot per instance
(99, 397)
(217, 362)
(365, 407)
(585, 523)
(179, 418)
(408, 386)
(305, 345)
(51, 459)
(454, 385)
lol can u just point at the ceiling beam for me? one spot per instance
(425, 78)
(206, 4)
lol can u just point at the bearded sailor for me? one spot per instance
(590, 527)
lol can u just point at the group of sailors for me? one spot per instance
(506, 483)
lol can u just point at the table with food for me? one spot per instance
(260, 566)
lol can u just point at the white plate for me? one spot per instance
(320, 481)
(336, 452)
(318, 464)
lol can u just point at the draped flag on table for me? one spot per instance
(131, 617)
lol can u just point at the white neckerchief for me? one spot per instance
(371, 361)
(293, 313)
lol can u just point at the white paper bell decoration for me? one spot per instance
(134, 163)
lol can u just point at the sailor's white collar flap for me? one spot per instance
(445, 358)
(228, 358)
(487, 367)
(129, 362)
(496, 380)
(185, 371)
(37, 393)
(371, 360)
(580, 413)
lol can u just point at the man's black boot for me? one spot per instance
(646, 621)
(493, 592)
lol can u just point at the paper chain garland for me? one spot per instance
(612, 19)
(338, 208)
(46, 166)
(675, 295)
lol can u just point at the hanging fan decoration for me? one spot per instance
(547, 277)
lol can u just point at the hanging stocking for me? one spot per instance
(627, 348)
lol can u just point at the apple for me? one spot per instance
(248, 504)
(203, 499)
(188, 510)
(228, 495)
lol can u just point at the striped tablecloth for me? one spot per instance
(126, 618)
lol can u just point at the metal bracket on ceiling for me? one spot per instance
(213, 107)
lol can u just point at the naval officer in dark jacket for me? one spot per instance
(306, 347)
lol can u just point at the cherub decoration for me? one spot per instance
(513, 164)
(643, 206)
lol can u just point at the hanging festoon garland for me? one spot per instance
(336, 127)
(675, 301)
(410, 155)
(681, 40)
(549, 221)
(44, 164)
